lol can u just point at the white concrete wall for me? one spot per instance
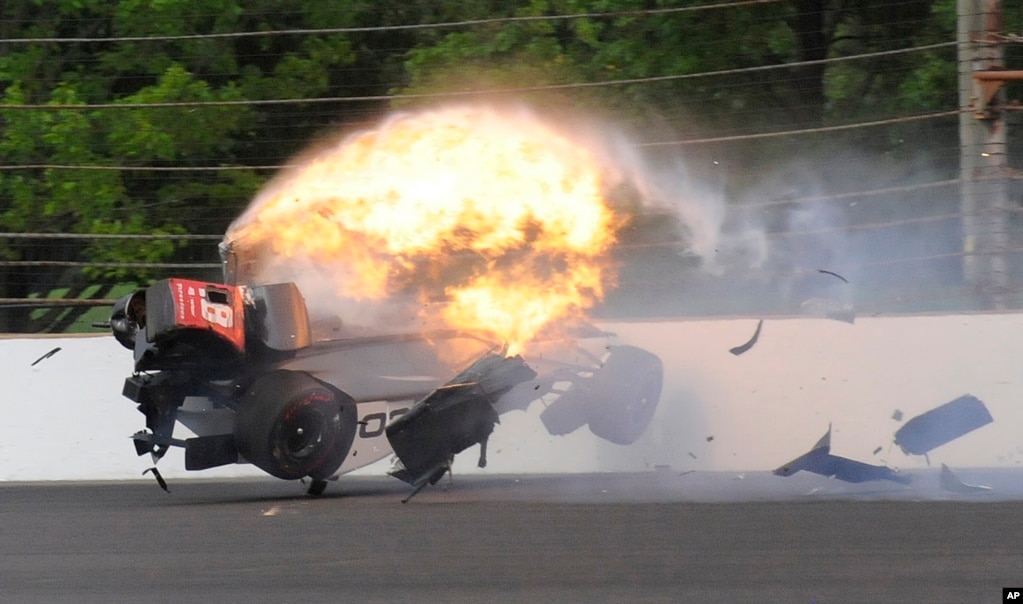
(773, 403)
(65, 417)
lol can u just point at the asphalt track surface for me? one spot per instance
(656, 537)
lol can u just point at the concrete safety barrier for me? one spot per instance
(64, 418)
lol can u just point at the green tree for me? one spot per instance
(631, 46)
(129, 187)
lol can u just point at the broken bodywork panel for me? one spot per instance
(918, 436)
(452, 418)
(819, 460)
(742, 348)
(952, 483)
(941, 425)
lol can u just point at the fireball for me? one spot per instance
(492, 220)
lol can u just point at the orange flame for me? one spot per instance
(491, 211)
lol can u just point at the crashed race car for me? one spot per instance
(246, 371)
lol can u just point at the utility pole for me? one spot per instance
(983, 164)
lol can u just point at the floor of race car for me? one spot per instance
(653, 537)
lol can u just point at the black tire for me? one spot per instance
(624, 394)
(290, 426)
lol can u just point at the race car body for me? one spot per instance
(244, 370)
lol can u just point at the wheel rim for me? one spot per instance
(303, 432)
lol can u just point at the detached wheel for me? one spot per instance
(624, 394)
(290, 426)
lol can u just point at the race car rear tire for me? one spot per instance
(624, 394)
(291, 425)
